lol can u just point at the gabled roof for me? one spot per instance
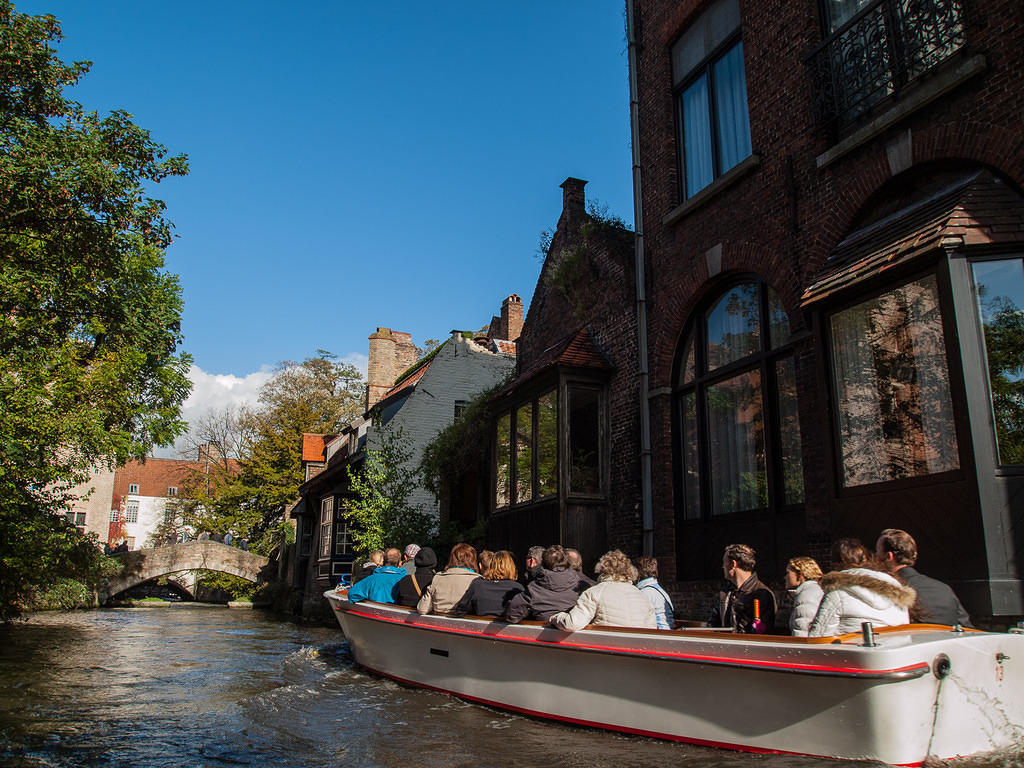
(978, 210)
(314, 446)
(578, 350)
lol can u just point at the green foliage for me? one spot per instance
(62, 595)
(237, 587)
(380, 512)
(564, 274)
(1004, 347)
(462, 446)
(319, 395)
(89, 319)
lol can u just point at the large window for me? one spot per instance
(710, 86)
(342, 535)
(737, 416)
(893, 403)
(131, 512)
(999, 289)
(526, 452)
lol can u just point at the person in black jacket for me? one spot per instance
(490, 595)
(553, 590)
(412, 586)
(735, 607)
(936, 602)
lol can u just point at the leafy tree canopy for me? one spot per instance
(318, 395)
(89, 319)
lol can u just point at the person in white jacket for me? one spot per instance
(802, 574)
(859, 593)
(613, 601)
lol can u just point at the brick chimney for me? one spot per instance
(574, 200)
(512, 317)
(390, 353)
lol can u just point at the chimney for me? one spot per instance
(512, 317)
(574, 199)
(390, 353)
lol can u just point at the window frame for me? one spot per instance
(681, 82)
(133, 489)
(952, 347)
(511, 411)
(765, 361)
(326, 542)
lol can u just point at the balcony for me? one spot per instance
(875, 55)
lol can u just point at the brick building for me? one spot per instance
(567, 465)
(833, 231)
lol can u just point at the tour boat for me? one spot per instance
(900, 696)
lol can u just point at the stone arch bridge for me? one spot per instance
(144, 564)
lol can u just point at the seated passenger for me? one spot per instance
(410, 589)
(484, 558)
(490, 595)
(376, 560)
(382, 584)
(747, 597)
(449, 586)
(613, 601)
(936, 602)
(647, 573)
(859, 592)
(576, 563)
(553, 589)
(802, 574)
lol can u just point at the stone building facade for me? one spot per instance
(832, 221)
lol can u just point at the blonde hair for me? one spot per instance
(806, 567)
(615, 566)
(503, 566)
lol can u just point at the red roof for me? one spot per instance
(978, 210)
(577, 350)
(314, 446)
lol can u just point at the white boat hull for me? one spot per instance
(784, 695)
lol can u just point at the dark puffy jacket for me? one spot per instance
(488, 598)
(407, 594)
(549, 593)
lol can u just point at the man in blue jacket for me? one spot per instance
(382, 585)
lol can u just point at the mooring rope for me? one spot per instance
(935, 718)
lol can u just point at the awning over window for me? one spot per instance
(578, 350)
(979, 210)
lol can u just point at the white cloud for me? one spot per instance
(215, 391)
(357, 360)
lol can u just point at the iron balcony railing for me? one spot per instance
(878, 52)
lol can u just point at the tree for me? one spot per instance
(89, 318)
(318, 395)
(380, 512)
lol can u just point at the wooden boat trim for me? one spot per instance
(910, 672)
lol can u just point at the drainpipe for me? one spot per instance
(641, 290)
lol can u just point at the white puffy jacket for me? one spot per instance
(612, 603)
(859, 595)
(806, 599)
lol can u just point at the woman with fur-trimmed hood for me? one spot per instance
(859, 592)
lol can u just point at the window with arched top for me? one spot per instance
(737, 421)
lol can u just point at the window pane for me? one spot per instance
(999, 286)
(736, 444)
(710, 30)
(779, 332)
(734, 330)
(895, 411)
(584, 436)
(691, 467)
(697, 136)
(503, 457)
(789, 432)
(524, 453)
(841, 11)
(688, 366)
(547, 444)
(731, 104)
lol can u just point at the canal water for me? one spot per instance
(194, 686)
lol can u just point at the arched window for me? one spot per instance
(737, 421)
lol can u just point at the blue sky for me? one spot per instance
(358, 164)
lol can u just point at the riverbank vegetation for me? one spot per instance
(90, 320)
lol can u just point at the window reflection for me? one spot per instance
(547, 444)
(503, 452)
(736, 441)
(892, 382)
(999, 288)
(524, 453)
(584, 435)
(734, 327)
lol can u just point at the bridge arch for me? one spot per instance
(144, 564)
